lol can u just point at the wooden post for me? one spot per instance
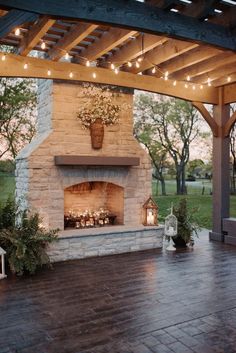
(221, 182)
(2, 253)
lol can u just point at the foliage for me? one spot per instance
(99, 105)
(7, 166)
(17, 114)
(187, 226)
(24, 241)
(175, 124)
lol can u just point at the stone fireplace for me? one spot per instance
(59, 171)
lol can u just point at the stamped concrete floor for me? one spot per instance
(146, 302)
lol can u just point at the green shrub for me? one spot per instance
(25, 241)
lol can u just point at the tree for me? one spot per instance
(145, 134)
(17, 115)
(176, 124)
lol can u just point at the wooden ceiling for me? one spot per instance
(130, 50)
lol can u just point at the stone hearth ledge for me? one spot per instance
(82, 243)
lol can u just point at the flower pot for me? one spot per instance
(97, 134)
(179, 242)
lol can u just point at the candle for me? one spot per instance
(170, 231)
(150, 218)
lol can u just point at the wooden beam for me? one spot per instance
(13, 66)
(170, 49)
(205, 66)
(217, 73)
(186, 60)
(109, 40)
(207, 116)
(97, 160)
(35, 34)
(229, 124)
(77, 33)
(223, 81)
(13, 19)
(131, 14)
(138, 46)
(230, 93)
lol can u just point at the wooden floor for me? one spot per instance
(141, 303)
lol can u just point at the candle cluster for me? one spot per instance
(88, 218)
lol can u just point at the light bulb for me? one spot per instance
(166, 78)
(140, 59)
(201, 87)
(154, 70)
(49, 72)
(87, 63)
(228, 78)
(112, 66)
(25, 66)
(174, 83)
(3, 57)
(129, 64)
(43, 45)
(186, 85)
(166, 74)
(71, 74)
(116, 71)
(67, 56)
(17, 31)
(137, 64)
(194, 87)
(94, 75)
(188, 78)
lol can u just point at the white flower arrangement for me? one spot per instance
(99, 105)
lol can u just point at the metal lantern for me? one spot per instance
(150, 212)
(171, 228)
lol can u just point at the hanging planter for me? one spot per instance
(97, 134)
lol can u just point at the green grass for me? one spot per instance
(7, 187)
(202, 203)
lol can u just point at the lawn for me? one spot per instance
(202, 204)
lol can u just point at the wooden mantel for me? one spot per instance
(96, 161)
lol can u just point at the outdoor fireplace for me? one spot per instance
(93, 204)
(60, 173)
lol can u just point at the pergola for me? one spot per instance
(180, 48)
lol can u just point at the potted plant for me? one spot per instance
(98, 110)
(187, 226)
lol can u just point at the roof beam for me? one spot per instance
(132, 14)
(230, 93)
(138, 46)
(217, 73)
(109, 40)
(206, 65)
(13, 19)
(190, 58)
(13, 66)
(76, 34)
(167, 51)
(35, 34)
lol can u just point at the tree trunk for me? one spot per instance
(163, 187)
(178, 183)
(183, 183)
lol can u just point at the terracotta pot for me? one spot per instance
(97, 134)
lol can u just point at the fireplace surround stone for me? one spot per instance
(41, 182)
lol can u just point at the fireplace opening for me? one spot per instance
(93, 204)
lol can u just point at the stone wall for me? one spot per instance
(40, 184)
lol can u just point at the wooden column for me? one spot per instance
(221, 182)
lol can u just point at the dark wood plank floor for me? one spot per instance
(147, 302)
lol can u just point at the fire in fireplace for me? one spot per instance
(88, 218)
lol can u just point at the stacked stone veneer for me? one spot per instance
(40, 184)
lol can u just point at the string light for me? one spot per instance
(154, 70)
(49, 72)
(174, 83)
(87, 63)
(186, 85)
(201, 87)
(94, 75)
(3, 57)
(194, 87)
(137, 64)
(166, 75)
(209, 81)
(116, 71)
(43, 45)
(112, 66)
(129, 63)
(188, 78)
(67, 56)
(17, 31)
(228, 79)
(71, 74)
(25, 66)
(140, 59)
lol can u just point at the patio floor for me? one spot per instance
(140, 302)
